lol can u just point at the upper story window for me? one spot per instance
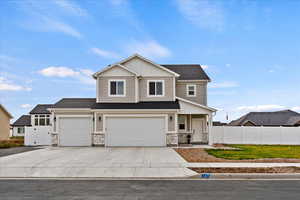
(42, 120)
(156, 88)
(116, 88)
(191, 90)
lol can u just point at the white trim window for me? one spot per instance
(155, 88)
(42, 120)
(191, 90)
(182, 122)
(117, 88)
(21, 130)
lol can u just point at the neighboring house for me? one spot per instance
(278, 118)
(218, 123)
(18, 127)
(38, 116)
(5, 118)
(138, 103)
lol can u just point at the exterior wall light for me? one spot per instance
(171, 118)
(100, 118)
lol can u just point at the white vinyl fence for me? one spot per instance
(39, 135)
(255, 135)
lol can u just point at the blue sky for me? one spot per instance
(250, 49)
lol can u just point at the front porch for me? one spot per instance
(194, 123)
(193, 129)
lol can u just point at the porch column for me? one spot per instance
(210, 135)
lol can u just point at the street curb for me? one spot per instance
(247, 176)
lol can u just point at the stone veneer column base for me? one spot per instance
(98, 139)
(54, 139)
(172, 139)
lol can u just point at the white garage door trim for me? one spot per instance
(58, 117)
(165, 116)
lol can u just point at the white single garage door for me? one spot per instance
(135, 131)
(75, 131)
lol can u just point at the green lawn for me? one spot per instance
(257, 152)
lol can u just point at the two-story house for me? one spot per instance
(138, 103)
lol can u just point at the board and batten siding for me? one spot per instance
(103, 89)
(201, 91)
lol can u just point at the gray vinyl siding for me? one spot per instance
(168, 88)
(103, 89)
(201, 92)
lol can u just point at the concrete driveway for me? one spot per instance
(95, 162)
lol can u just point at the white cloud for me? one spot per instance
(151, 49)
(260, 108)
(296, 108)
(205, 14)
(25, 106)
(6, 85)
(52, 25)
(59, 72)
(45, 16)
(71, 7)
(227, 65)
(204, 66)
(225, 84)
(83, 75)
(104, 53)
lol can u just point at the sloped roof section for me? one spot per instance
(278, 118)
(41, 109)
(75, 103)
(140, 105)
(24, 120)
(188, 71)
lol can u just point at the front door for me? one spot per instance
(198, 127)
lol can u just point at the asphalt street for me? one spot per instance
(149, 189)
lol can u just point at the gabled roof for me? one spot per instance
(41, 109)
(112, 66)
(24, 120)
(141, 57)
(277, 118)
(188, 71)
(196, 104)
(3, 108)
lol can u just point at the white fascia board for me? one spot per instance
(196, 104)
(112, 66)
(200, 80)
(68, 109)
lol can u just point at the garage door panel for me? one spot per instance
(75, 131)
(136, 131)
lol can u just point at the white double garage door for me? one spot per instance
(129, 130)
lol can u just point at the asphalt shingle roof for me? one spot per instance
(188, 71)
(278, 118)
(139, 105)
(75, 103)
(24, 120)
(41, 109)
(91, 103)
